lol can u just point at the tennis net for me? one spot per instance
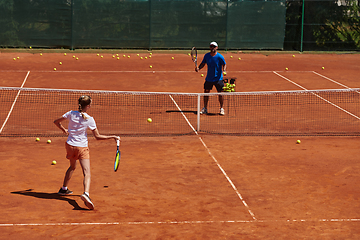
(30, 112)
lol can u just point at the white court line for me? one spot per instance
(216, 161)
(128, 71)
(333, 104)
(331, 80)
(178, 222)
(12, 106)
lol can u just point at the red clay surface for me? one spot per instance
(178, 187)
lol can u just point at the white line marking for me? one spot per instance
(128, 71)
(12, 106)
(176, 222)
(216, 161)
(331, 80)
(333, 104)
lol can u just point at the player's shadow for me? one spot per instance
(56, 196)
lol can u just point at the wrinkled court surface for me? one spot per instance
(182, 187)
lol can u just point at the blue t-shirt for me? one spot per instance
(214, 67)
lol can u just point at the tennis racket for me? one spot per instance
(117, 157)
(194, 56)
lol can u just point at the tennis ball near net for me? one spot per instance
(53, 162)
(298, 141)
(149, 120)
(37, 139)
(49, 141)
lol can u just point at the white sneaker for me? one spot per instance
(222, 111)
(203, 111)
(87, 201)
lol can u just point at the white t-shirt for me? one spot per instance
(78, 128)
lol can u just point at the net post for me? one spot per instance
(198, 113)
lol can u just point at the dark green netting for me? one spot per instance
(180, 24)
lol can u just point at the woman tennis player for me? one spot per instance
(77, 145)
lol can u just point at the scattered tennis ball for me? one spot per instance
(231, 56)
(14, 59)
(150, 66)
(150, 53)
(141, 57)
(77, 58)
(323, 68)
(97, 54)
(49, 141)
(117, 55)
(293, 55)
(124, 56)
(40, 54)
(286, 69)
(145, 57)
(73, 56)
(54, 69)
(53, 162)
(149, 120)
(224, 73)
(30, 47)
(172, 58)
(137, 54)
(37, 139)
(298, 141)
(149, 56)
(17, 57)
(239, 58)
(117, 58)
(113, 56)
(202, 75)
(101, 56)
(64, 54)
(60, 63)
(129, 56)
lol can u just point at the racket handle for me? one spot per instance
(118, 142)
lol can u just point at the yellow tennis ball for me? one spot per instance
(202, 75)
(298, 141)
(49, 141)
(60, 63)
(113, 56)
(172, 58)
(73, 56)
(293, 55)
(17, 57)
(37, 139)
(150, 66)
(224, 73)
(231, 56)
(323, 68)
(40, 54)
(77, 58)
(286, 69)
(30, 47)
(64, 54)
(102, 56)
(149, 120)
(97, 54)
(53, 162)
(54, 69)
(14, 59)
(239, 58)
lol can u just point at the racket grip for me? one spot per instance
(118, 142)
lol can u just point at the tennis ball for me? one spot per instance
(117, 58)
(150, 53)
(293, 55)
(149, 120)
(60, 63)
(239, 58)
(202, 75)
(124, 56)
(77, 58)
(172, 58)
(54, 69)
(286, 69)
(141, 57)
(145, 57)
(37, 139)
(73, 56)
(102, 56)
(150, 66)
(40, 54)
(53, 162)
(231, 56)
(49, 141)
(113, 56)
(17, 57)
(30, 47)
(298, 141)
(97, 54)
(14, 59)
(323, 68)
(137, 54)
(64, 54)
(224, 73)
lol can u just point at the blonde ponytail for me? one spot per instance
(83, 102)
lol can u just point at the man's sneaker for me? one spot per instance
(64, 192)
(87, 201)
(203, 111)
(222, 111)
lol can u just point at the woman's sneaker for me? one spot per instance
(87, 201)
(64, 192)
(203, 111)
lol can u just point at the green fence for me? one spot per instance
(180, 24)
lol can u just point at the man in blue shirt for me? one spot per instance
(216, 65)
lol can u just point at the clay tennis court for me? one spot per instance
(203, 186)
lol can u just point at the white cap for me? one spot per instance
(214, 43)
